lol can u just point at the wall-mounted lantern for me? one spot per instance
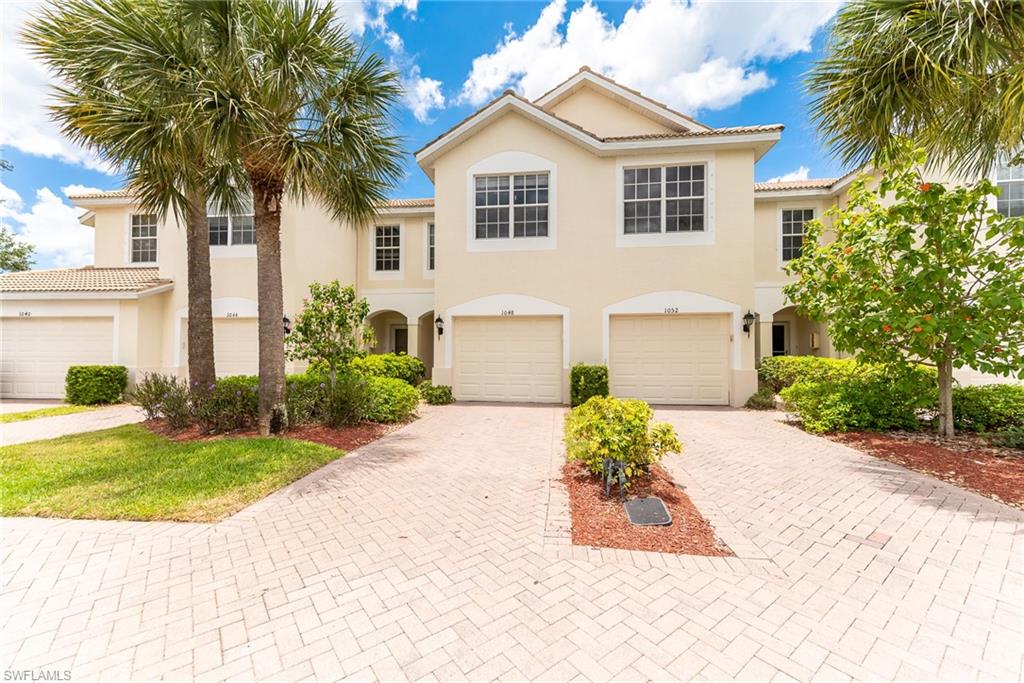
(287, 325)
(748, 322)
(439, 324)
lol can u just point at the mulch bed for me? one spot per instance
(602, 522)
(343, 438)
(967, 460)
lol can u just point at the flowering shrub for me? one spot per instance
(620, 430)
(164, 396)
(232, 403)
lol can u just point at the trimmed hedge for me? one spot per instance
(393, 400)
(988, 408)
(778, 372)
(862, 396)
(435, 394)
(88, 385)
(409, 369)
(586, 381)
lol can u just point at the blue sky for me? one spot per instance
(726, 63)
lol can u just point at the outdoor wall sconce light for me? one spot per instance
(748, 321)
(439, 324)
(287, 325)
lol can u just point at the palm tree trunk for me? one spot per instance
(201, 369)
(273, 418)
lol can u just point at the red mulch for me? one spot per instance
(343, 438)
(602, 522)
(966, 461)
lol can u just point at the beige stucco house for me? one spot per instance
(591, 225)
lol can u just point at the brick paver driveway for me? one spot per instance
(440, 551)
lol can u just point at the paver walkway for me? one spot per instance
(73, 423)
(440, 551)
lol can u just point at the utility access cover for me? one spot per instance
(648, 512)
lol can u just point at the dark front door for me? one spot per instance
(779, 340)
(401, 340)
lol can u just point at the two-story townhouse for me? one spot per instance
(590, 225)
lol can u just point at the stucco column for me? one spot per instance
(413, 339)
(765, 332)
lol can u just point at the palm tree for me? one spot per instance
(126, 67)
(947, 75)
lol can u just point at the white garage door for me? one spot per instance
(236, 348)
(681, 359)
(508, 359)
(36, 352)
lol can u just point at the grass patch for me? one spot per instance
(130, 473)
(53, 411)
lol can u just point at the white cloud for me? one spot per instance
(691, 56)
(50, 225)
(79, 189)
(802, 173)
(422, 94)
(26, 124)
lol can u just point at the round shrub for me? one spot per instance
(230, 404)
(304, 397)
(988, 408)
(409, 369)
(586, 381)
(392, 400)
(435, 394)
(164, 396)
(91, 384)
(763, 399)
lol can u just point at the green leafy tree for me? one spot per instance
(948, 75)
(15, 254)
(329, 331)
(918, 272)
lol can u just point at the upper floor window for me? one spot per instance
(387, 248)
(143, 239)
(664, 199)
(229, 228)
(793, 221)
(430, 246)
(523, 198)
(1011, 190)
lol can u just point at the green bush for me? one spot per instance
(304, 398)
(87, 385)
(619, 429)
(392, 400)
(164, 396)
(586, 381)
(409, 369)
(435, 394)
(763, 399)
(989, 408)
(778, 372)
(863, 396)
(351, 399)
(232, 404)
(1011, 438)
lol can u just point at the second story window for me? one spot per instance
(143, 238)
(666, 199)
(229, 228)
(387, 248)
(793, 221)
(521, 199)
(430, 246)
(1011, 190)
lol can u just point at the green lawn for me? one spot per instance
(43, 412)
(130, 473)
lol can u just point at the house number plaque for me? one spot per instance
(508, 311)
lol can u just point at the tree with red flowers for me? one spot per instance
(918, 272)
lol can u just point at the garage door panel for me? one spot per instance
(36, 352)
(236, 349)
(673, 359)
(508, 359)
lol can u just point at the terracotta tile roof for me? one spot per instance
(781, 185)
(731, 130)
(108, 194)
(423, 202)
(88, 279)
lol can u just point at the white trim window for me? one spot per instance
(668, 199)
(387, 249)
(431, 247)
(231, 229)
(1010, 180)
(143, 238)
(793, 222)
(523, 197)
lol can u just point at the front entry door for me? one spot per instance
(400, 343)
(779, 339)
